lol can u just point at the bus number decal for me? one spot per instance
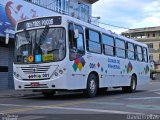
(38, 76)
(92, 66)
(45, 75)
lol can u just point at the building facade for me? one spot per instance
(151, 37)
(13, 11)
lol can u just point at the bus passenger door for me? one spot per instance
(76, 56)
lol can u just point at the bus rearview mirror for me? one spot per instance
(76, 33)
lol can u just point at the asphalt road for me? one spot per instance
(114, 104)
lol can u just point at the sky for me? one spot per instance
(128, 13)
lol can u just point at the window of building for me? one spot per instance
(83, 11)
(93, 41)
(145, 55)
(150, 57)
(76, 45)
(108, 45)
(159, 57)
(130, 52)
(154, 35)
(120, 48)
(139, 53)
(148, 35)
(150, 45)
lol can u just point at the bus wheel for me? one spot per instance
(48, 94)
(132, 87)
(92, 86)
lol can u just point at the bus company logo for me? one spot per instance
(98, 64)
(79, 64)
(146, 69)
(34, 76)
(129, 67)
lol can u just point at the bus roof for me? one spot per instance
(91, 26)
(102, 30)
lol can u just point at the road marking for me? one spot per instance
(31, 108)
(106, 103)
(32, 117)
(36, 107)
(13, 105)
(144, 107)
(19, 110)
(91, 110)
(144, 98)
(155, 90)
(157, 93)
(68, 104)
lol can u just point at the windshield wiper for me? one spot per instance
(27, 36)
(44, 34)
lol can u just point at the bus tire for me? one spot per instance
(92, 86)
(132, 87)
(48, 94)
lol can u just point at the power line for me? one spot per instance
(113, 25)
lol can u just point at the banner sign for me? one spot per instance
(13, 11)
(39, 22)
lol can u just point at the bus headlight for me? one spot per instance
(16, 75)
(58, 72)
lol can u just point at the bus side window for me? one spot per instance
(76, 45)
(139, 53)
(130, 51)
(145, 55)
(120, 48)
(93, 40)
(108, 45)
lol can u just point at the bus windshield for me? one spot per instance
(40, 45)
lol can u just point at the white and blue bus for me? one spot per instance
(63, 53)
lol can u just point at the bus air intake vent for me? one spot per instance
(33, 70)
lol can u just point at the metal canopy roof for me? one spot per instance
(93, 1)
(142, 30)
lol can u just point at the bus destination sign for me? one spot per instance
(39, 22)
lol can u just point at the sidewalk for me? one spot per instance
(14, 93)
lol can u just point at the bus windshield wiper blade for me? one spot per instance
(44, 34)
(27, 36)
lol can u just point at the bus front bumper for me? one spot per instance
(59, 83)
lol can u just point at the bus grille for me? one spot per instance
(33, 70)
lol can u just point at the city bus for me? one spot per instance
(62, 53)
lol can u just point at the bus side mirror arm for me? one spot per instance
(7, 38)
(76, 33)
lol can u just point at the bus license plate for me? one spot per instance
(35, 84)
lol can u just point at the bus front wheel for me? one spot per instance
(132, 87)
(92, 86)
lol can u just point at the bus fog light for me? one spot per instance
(56, 74)
(17, 75)
(61, 71)
(14, 73)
